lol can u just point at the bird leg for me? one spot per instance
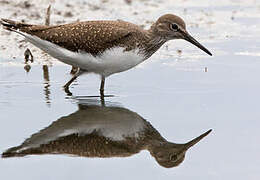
(73, 70)
(102, 87)
(78, 73)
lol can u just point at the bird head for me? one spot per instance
(171, 27)
(170, 154)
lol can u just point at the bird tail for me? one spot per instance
(13, 152)
(13, 25)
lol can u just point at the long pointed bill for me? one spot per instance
(189, 38)
(196, 140)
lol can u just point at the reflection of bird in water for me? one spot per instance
(98, 131)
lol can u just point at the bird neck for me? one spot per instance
(152, 137)
(153, 42)
(158, 146)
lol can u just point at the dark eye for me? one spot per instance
(174, 27)
(173, 157)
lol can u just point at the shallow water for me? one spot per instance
(172, 92)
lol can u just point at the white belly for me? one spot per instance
(111, 61)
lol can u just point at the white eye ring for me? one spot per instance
(174, 27)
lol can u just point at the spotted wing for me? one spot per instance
(92, 36)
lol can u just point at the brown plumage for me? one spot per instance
(93, 38)
(97, 131)
(96, 36)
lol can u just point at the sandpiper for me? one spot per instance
(103, 131)
(103, 47)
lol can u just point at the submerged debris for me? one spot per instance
(28, 55)
(68, 5)
(48, 14)
(179, 51)
(45, 69)
(129, 2)
(68, 14)
(4, 2)
(25, 5)
(93, 7)
(47, 85)
(27, 68)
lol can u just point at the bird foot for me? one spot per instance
(67, 91)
